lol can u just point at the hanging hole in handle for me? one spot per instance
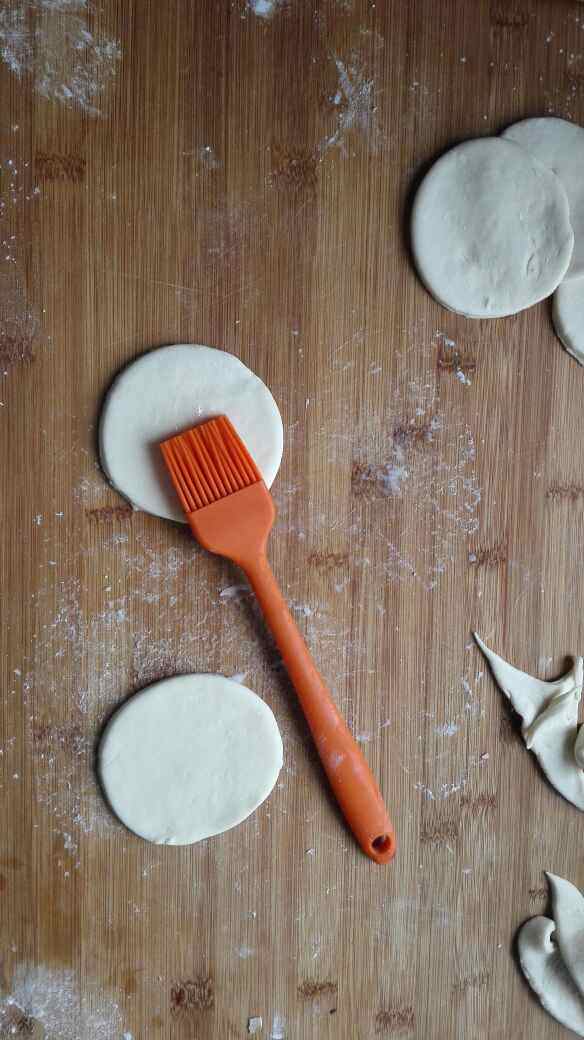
(382, 844)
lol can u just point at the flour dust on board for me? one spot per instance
(413, 480)
(20, 320)
(53, 1000)
(355, 105)
(50, 42)
(265, 9)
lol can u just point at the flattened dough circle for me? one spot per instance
(167, 391)
(568, 316)
(491, 230)
(189, 757)
(559, 145)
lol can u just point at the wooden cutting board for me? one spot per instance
(239, 174)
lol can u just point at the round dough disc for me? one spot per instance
(491, 230)
(568, 316)
(189, 757)
(166, 392)
(559, 145)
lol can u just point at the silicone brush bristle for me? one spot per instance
(208, 463)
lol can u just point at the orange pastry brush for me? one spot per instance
(231, 513)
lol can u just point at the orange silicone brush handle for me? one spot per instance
(349, 775)
(238, 527)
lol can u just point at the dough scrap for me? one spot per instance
(559, 145)
(167, 391)
(189, 757)
(543, 967)
(551, 955)
(549, 711)
(491, 231)
(568, 316)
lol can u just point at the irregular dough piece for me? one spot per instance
(549, 711)
(555, 969)
(167, 391)
(568, 316)
(568, 906)
(543, 967)
(559, 145)
(491, 230)
(189, 757)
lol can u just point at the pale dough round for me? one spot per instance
(568, 316)
(491, 230)
(166, 392)
(189, 757)
(559, 145)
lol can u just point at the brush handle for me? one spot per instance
(349, 775)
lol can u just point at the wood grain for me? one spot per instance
(246, 184)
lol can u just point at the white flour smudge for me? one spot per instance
(19, 321)
(208, 158)
(234, 592)
(50, 41)
(390, 476)
(53, 998)
(450, 347)
(355, 104)
(447, 729)
(278, 1030)
(264, 8)
(441, 790)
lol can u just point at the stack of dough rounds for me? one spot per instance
(568, 316)
(491, 231)
(498, 224)
(559, 145)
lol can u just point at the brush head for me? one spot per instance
(208, 463)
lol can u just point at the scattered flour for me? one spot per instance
(50, 41)
(413, 470)
(208, 158)
(20, 324)
(355, 104)
(451, 349)
(234, 592)
(55, 999)
(447, 729)
(278, 1030)
(440, 790)
(264, 8)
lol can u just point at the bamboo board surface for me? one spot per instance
(212, 173)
